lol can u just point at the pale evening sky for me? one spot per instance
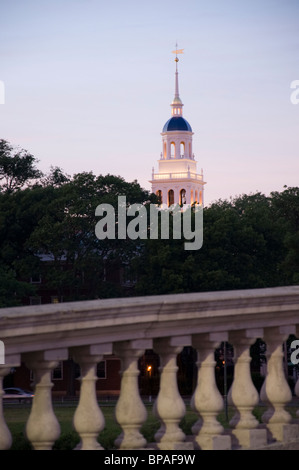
(88, 86)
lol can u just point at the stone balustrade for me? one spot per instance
(177, 176)
(42, 335)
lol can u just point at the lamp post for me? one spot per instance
(225, 379)
(149, 372)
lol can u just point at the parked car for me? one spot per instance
(18, 394)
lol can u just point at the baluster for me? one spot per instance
(5, 435)
(130, 411)
(243, 394)
(276, 391)
(169, 406)
(297, 394)
(207, 400)
(198, 424)
(42, 428)
(296, 390)
(88, 419)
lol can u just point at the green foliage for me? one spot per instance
(17, 167)
(251, 241)
(12, 291)
(49, 230)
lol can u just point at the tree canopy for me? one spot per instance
(47, 231)
(250, 241)
(17, 167)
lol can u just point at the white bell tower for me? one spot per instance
(177, 180)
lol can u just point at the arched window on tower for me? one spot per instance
(159, 196)
(164, 150)
(172, 150)
(182, 197)
(196, 197)
(191, 199)
(170, 197)
(182, 149)
(200, 198)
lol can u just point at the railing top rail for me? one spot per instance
(270, 294)
(98, 321)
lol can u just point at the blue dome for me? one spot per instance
(177, 123)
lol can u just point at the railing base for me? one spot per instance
(249, 438)
(221, 442)
(284, 432)
(187, 445)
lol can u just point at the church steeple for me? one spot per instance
(177, 181)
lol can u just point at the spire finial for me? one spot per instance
(177, 51)
(177, 102)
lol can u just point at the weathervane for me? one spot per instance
(176, 52)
